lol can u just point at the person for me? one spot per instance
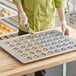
(40, 14)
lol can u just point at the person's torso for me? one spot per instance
(40, 13)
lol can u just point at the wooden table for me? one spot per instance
(9, 66)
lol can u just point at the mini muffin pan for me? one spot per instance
(4, 29)
(46, 44)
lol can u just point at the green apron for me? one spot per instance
(40, 13)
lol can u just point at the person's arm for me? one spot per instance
(23, 17)
(63, 23)
(60, 5)
(22, 14)
(19, 7)
(61, 13)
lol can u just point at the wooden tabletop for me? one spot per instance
(9, 66)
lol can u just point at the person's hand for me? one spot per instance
(23, 19)
(64, 27)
